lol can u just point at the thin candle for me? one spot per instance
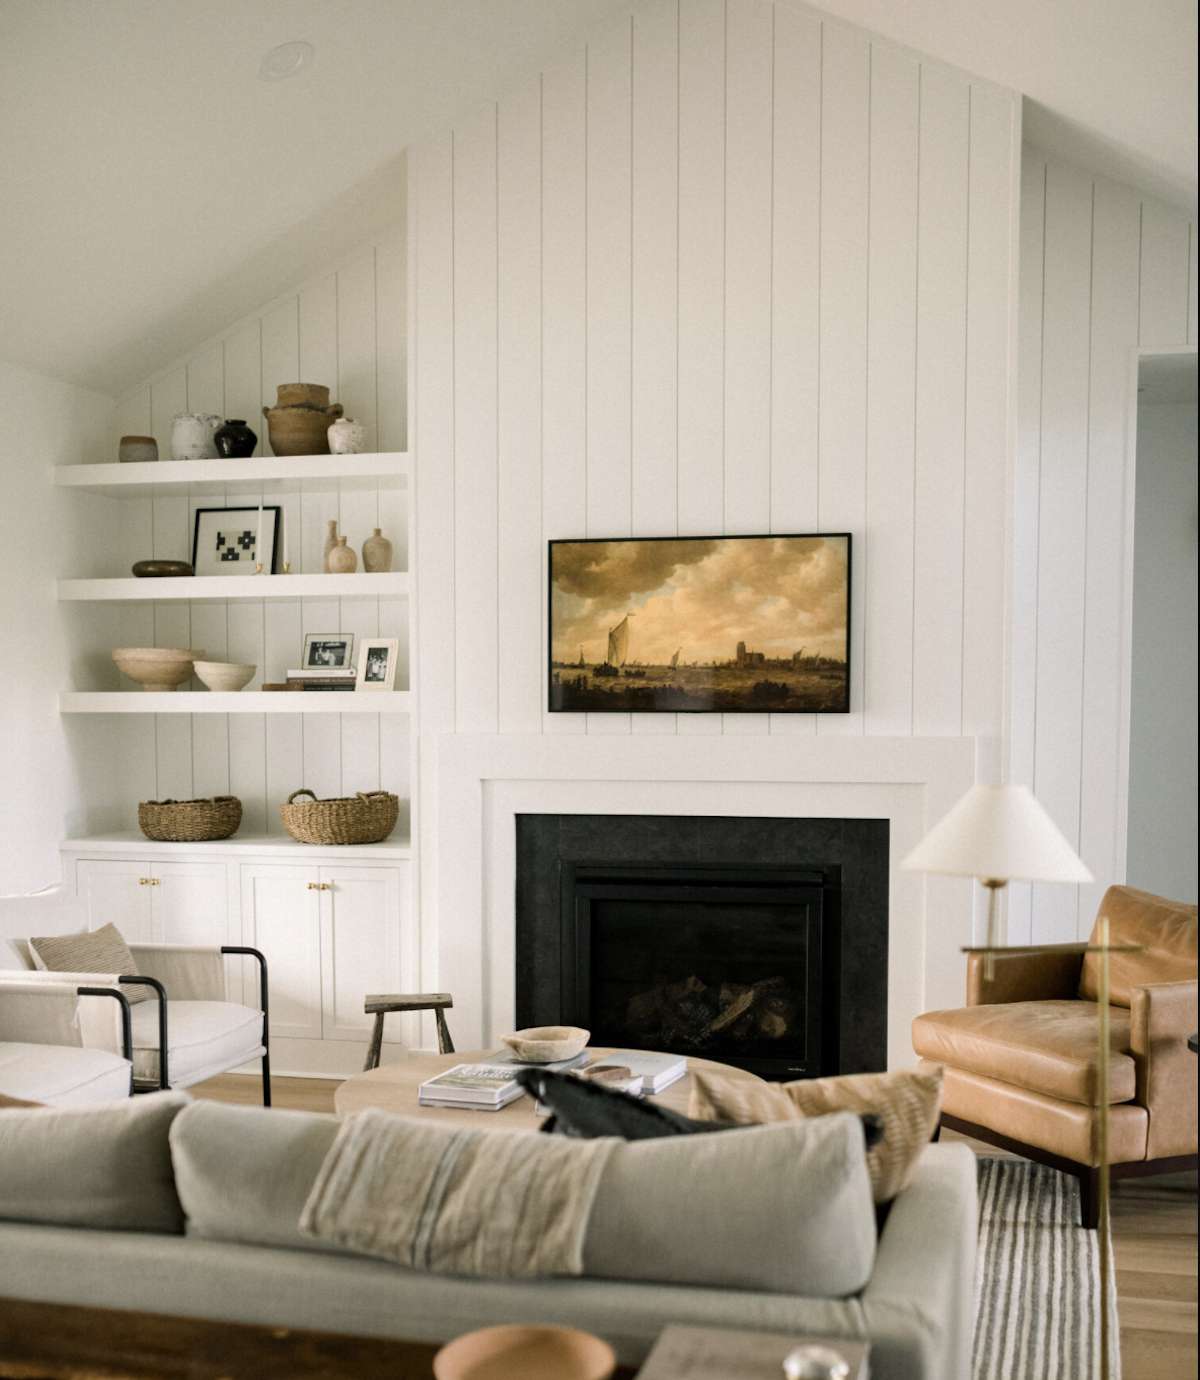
(258, 549)
(284, 518)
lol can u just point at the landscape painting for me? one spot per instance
(701, 625)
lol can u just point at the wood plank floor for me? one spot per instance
(1154, 1241)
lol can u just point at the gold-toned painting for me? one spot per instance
(701, 625)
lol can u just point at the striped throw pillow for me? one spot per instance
(908, 1102)
(94, 951)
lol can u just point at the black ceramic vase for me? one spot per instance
(235, 440)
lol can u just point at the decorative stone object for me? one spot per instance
(299, 422)
(331, 540)
(377, 553)
(224, 675)
(137, 450)
(547, 1044)
(343, 559)
(235, 440)
(347, 437)
(157, 668)
(192, 436)
(157, 570)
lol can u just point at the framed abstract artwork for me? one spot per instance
(225, 541)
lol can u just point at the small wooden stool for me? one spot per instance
(379, 1006)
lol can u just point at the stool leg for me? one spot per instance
(375, 1048)
(445, 1043)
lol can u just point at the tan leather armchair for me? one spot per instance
(1020, 1058)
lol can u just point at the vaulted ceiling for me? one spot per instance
(152, 188)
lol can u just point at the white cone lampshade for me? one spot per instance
(998, 833)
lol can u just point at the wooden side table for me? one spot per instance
(718, 1353)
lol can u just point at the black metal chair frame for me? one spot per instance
(126, 1021)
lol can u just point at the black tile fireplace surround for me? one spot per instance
(760, 942)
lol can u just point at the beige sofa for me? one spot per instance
(244, 1170)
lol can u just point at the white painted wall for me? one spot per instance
(345, 328)
(49, 776)
(1104, 271)
(1162, 739)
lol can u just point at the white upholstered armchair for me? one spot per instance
(65, 1043)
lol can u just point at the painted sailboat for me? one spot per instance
(675, 658)
(618, 648)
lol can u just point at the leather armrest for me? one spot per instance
(1162, 1016)
(1051, 974)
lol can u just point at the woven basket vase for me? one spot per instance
(368, 817)
(190, 821)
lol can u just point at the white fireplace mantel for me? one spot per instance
(485, 781)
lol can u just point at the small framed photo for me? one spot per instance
(225, 541)
(377, 659)
(328, 652)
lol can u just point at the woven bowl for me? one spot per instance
(368, 817)
(190, 821)
(157, 668)
(547, 1044)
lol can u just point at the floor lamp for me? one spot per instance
(999, 834)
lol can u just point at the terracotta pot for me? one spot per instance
(377, 553)
(300, 430)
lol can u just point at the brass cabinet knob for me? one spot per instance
(314, 886)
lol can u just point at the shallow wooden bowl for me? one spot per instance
(157, 668)
(517, 1351)
(547, 1044)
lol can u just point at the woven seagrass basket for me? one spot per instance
(368, 817)
(190, 821)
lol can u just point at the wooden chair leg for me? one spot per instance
(375, 1048)
(1089, 1198)
(445, 1043)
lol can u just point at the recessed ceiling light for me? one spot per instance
(285, 61)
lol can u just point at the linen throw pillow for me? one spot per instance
(94, 951)
(907, 1101)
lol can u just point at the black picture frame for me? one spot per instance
(271, 512)
(561, 698)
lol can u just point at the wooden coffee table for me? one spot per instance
(394, 1088)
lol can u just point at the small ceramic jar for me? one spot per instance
(137, 450)
(377, 553)
(347, 437)
(235, 440)
(192, 436)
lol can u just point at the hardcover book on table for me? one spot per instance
(472, 1085)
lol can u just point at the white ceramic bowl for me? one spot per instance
(547, 1044)
(224, 675)
(156, 668)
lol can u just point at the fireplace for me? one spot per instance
(756, 942)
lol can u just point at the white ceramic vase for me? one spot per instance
(347, 437)
(192, 436)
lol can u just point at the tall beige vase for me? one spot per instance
(330, 542)
(377, 553)
(343, 560)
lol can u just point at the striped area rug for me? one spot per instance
(1037, 1278)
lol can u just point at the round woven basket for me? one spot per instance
(190, 821)
(368, 817)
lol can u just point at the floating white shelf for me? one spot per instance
(134, 844)
(235, 702)
(217, 588)
(276, 474)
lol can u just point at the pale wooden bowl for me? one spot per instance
(156, 668)
(224, 675)
(547, 1044)
(518, 1351)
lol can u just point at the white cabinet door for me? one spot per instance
(361, 929)
(115, 892)
(281, 916)
(191, 904)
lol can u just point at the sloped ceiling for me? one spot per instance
(152, 188)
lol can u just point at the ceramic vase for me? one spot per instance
(331, 540)
(342, 559)
(377, 553)
(347, 437)
(235, 440)
(135, 450)
(192, 436)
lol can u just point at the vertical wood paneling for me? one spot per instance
(701, 282)
(654, 268)
(1165, 256)
(564, 314)
(795, 285)
(941, 390)
(357, 385)
(845, 140)
(391, 370)
(133, 416)
(1063, 518)
(475, 423)
(519, 441)
(608, 237)
(885, 564)
(206, 381)
(1192, 286)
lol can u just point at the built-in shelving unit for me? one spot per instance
(196, 478)
(235, 702)
(397, 848)
(217, 588)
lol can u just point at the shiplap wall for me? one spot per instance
(1104, 271)
(346, 328)
(730, 267)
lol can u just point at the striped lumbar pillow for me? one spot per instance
(94, 951)
(907, 1101)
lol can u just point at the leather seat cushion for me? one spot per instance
(62, 1075)
(1164, 930)
(201, 1036)
(1047, 1047)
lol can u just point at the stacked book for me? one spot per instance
(655, 1071)
(484, 1087)
(322, 678)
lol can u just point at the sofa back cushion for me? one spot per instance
(106, 1165)
(1166, 932)
(781, 1209)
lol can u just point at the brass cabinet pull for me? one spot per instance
(149, 881)
(314, 886)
